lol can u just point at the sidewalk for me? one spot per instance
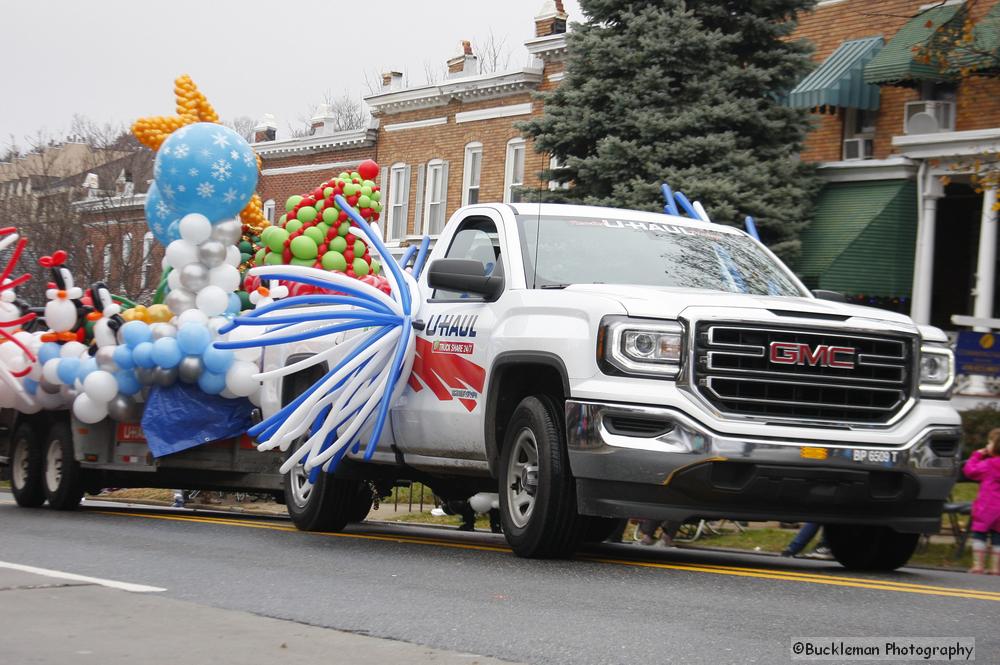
(56, 621)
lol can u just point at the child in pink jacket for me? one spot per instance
(984, 468)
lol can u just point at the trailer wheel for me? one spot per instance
(870, 547)
(63, 478)
(26, 468)
(537, 492)
(327, 505)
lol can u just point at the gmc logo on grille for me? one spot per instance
(794, 353)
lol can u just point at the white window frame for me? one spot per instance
(107, 261)
(147, 248)
(126, 248)
(555, 165)
(514, 146)
(397, 203)
(472, 150)
(435, 166)
(269, 210)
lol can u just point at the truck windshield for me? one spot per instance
(573, 250)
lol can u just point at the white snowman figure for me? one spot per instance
(265, 295)
(105, 316)
(61, 313)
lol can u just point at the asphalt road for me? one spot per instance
(467, 593)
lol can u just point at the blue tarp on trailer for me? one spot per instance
(182, 416)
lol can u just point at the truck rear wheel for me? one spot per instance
(870, 547)
(537, 493)
(26, 468)
(63, 478)
(327, 505)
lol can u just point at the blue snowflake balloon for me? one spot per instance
(162, 219)
(206, 168)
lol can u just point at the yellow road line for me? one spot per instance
(716, 569)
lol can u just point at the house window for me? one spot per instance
(399, 196)
(126, 248)
(514, 171)
(269, 210)
(147, 248)
(107, 260)
(859, 134)
(435, 193)
(554, 166)
(473, 169)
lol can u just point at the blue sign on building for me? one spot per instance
(977, 353)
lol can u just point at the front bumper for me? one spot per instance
(659, 463)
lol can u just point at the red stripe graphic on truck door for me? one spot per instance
(435, 369)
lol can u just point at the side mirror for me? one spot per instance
(464, 276)
(835, 296)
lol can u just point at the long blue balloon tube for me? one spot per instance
(752, 228)
(382, 319)
(404, 291)
(383, 409)
(298, 337)
(669, 207)
(418, 265)
(407, 255)
(280, 416)
(320, 299)
(344, 288)
(686, 204)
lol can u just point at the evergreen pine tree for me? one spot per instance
(688, 93)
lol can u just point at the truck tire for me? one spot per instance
(537, 491)
(328, 505)
(26, 467)
(860, 547)
(63, 477)
(361, 505)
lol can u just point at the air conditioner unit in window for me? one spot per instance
(860, 148)
(929, 117)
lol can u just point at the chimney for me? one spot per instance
(463, 64)
(266, 129)
(322, 120)
(392, 81)
(551, 19)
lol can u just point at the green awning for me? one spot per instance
(983, 52)
(898, 61)
(862, 239)
(840, 81)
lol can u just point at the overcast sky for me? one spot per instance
(115, 60)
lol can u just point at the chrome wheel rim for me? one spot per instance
(522, 478)
(301, 487)
(19, 470)
(53, 465)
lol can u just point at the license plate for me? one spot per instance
(874, 456)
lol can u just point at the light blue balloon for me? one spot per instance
(47, 352)
(212, 383)
(30, 385)
(162, 218)
(123, 355)
(87, 365)
(166, 353)
(206, 168)
(234, 305)
(128, 384)
(143, 355)
(193, 339)
(68, 367)
(217, 360)
(135, 333)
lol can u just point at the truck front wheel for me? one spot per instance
(63, 477)
(537, 492)
(870, 547)
(26, 468)
(329, 504)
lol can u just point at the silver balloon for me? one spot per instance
(212, 253)
(48, 387)
(144, 374)
(164, 377)
(194, 276)
(105, 358)
(160, 330)
(228, 232)
(190, 369)
(180, 300)
(124, 409)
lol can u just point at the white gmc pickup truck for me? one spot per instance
(591, 363)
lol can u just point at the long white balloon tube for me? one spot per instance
(337, 348)
(333, 278)
(9, 240)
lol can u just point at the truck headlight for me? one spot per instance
(640, 347)
(937, 371)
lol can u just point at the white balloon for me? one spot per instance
(239, 378)
(226, 277)
(100, 386)
(72, 350)
(233, 256)
(195, 228)
(50, 372)
(228, 231)
(212, 300)
(181, 252)
(164, 264)
(174, 280)
(88, 411)
(192, 316)
(216, 323)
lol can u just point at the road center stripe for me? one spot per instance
(58, 574)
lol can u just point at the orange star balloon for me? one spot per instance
(192, 107)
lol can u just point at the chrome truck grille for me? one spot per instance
(802, 374)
